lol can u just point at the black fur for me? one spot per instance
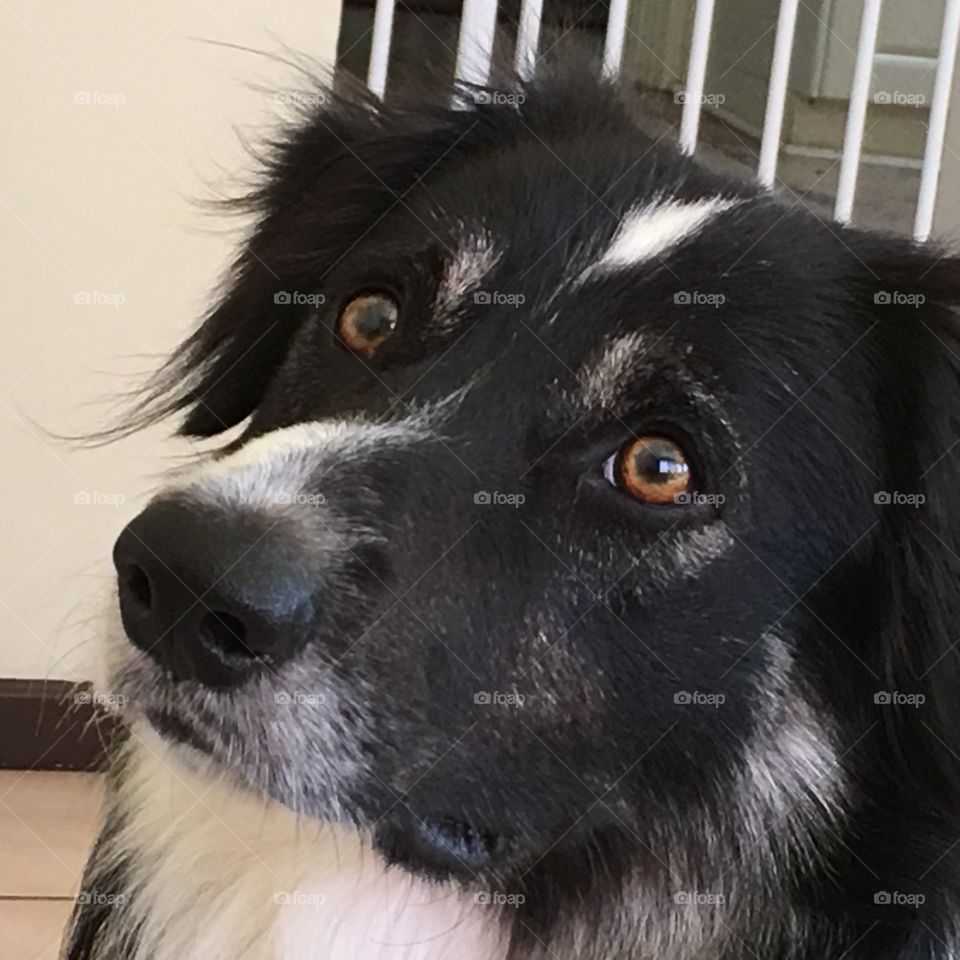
(800, 398)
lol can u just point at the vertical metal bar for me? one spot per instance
(933, 151)
(696, 75)
(857, 111)
(478, 24)
(380, 46)
(777, 92)
(528, 37)
(616, 34)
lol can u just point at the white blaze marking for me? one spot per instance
(648, 231)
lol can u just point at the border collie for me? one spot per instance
(582, 581)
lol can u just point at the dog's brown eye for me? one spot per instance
(651, 469)
(366, 321)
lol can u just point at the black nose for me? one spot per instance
(211, 595)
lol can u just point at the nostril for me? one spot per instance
(223, 631)
(137, 585)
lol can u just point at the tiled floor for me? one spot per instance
(47, 824)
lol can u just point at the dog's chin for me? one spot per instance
(446, 847)
(420, 837)
(439, 845)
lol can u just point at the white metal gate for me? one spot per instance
(475, 50)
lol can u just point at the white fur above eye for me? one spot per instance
(602, 377)
(475, 257)
(218, 874)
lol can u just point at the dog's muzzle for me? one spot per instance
(212, 594)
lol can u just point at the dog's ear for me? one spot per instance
(324, 183)
(913, 298)
(327, 179)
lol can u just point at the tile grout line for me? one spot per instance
(34, 898)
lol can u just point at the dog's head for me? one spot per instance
(583, 494)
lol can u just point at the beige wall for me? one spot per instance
(114, 119)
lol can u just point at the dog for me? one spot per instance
(579, 577)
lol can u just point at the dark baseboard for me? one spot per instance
(51, 725)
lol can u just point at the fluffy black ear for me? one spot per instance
(324, 182)
(341, 166)
(914, 294)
